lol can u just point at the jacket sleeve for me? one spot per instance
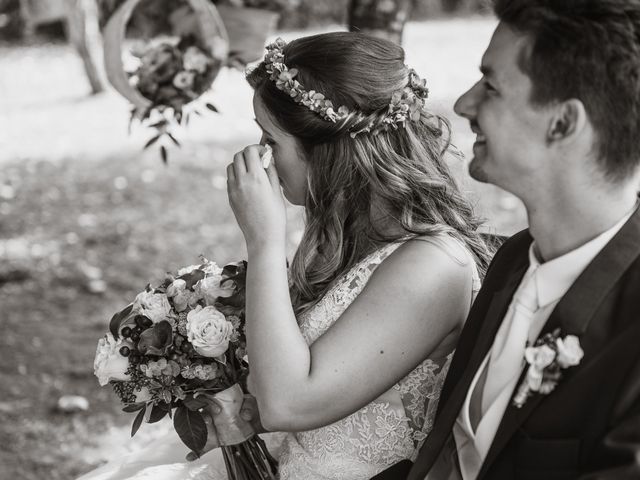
(617, 456)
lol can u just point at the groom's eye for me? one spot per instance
(489, 86)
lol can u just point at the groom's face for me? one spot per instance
(511, 132)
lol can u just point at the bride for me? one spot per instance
(349, 346)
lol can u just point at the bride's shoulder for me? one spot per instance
(427, 263)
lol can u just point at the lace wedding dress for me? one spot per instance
(380, 434)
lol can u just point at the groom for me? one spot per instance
(557, 118)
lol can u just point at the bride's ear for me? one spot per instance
(568, 121)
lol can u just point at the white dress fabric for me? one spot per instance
(389, 429)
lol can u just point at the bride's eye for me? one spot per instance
(269, 141)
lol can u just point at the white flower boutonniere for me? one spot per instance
(547, 358)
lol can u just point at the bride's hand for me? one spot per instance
(256, 199)
(214, 421)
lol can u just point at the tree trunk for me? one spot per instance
(380, 18)
(84, 34)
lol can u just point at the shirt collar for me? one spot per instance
(554, 278)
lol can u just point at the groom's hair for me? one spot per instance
(588, 50)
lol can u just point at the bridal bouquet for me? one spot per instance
(178, 344)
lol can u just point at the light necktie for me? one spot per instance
(507, 353)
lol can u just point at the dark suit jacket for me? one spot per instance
(589, 426)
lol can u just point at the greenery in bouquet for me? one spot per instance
(176, 342)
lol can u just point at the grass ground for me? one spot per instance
(87, 219)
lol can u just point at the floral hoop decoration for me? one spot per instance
(169, 73)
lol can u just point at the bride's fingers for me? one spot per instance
(252, 158)
(272, 173)
(231, 175)
(239, 165)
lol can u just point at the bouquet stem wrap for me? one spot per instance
(230, 427)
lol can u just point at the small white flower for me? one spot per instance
(540, 357)
(182, 296)
(209, 289)
(569, 351)
(143, 395)
(534, 378)
(184, 80)
(154, 306)
(109, 364)
(187, 270)
(211, 268)
(195, 59)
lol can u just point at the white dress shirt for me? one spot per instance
(552, 281)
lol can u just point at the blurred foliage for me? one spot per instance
(299, 13)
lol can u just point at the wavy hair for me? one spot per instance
(402, 173)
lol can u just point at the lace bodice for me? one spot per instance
(387, 430)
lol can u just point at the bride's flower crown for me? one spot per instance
(406, 105)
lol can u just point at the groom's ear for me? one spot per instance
(567, 122)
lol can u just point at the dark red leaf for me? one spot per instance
(158, 412)
(138, 421)
(191, 428)
(116, 321)
(192, 278)
(134, 407)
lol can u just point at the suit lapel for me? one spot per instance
(573, 315)
(484, 331)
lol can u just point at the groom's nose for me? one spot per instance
(466, 105)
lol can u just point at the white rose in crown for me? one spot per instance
(546, 360)
(181, 295)
(154, 306)
(569, 351)
(210, 289)
(109, 364)
(208, 331)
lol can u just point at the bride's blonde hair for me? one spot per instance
(401, 171)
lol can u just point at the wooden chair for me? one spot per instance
(81, 23)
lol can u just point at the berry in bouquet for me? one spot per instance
(176, 346)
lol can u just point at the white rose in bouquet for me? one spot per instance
(109, 364)
(154, 306)
(208, 331)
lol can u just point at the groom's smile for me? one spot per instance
(510, 131)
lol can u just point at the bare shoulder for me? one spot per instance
(427, 284)
(427, 263)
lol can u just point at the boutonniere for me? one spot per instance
(546, 359)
